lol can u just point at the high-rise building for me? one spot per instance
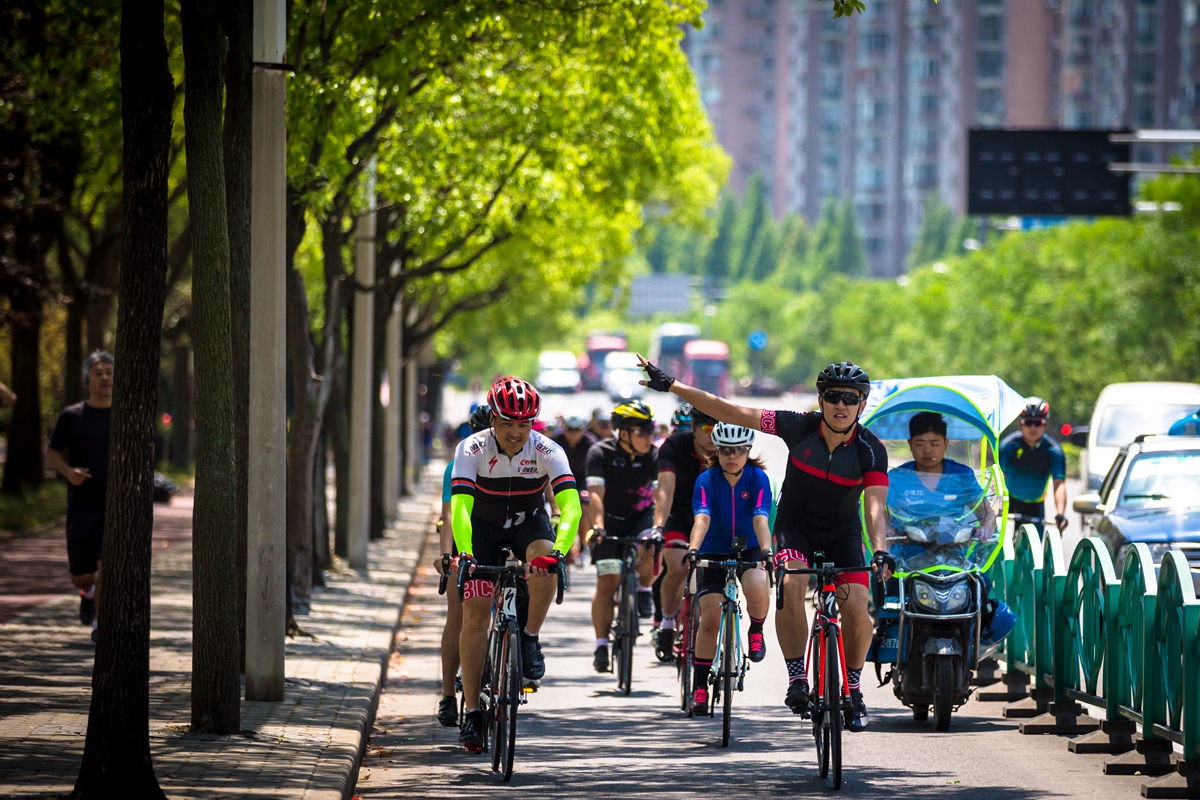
(876, 107)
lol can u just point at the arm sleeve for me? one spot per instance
(761, 494)
(460, 518)
(701, 495)
(447, 478)
(1058, 463)
(595, 466)
(568, 524)
(875, 462)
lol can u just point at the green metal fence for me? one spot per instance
(1129, 644)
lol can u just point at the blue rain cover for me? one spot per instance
(975, 406)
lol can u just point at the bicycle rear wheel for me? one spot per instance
(834, 705)
(510, 699)
(727, 648)
(686, 655)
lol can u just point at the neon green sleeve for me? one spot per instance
(461, 506)
(568, 523)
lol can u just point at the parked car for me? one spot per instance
(591, 363)
(1124, 411)
(621, 376)
(1151, 494)
(558, 371)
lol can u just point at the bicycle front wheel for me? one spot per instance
(834, 706)
(496, 716)
(727, 673)
(627, 632)
(819, 712)
(510, 700)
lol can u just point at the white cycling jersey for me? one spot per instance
(507, 491)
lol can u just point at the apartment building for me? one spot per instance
(876, 107)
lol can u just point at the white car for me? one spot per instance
(558, 371)
(1124, 411)
(622, 383)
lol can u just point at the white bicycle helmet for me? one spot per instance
(726, 435)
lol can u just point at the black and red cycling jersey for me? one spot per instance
(678, 455)
(822, 487)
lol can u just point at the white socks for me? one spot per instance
(602, 642)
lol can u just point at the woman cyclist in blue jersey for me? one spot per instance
(732, 498)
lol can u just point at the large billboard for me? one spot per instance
(1053, 173)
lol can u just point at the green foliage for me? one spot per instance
(35, 506)
(935, 238)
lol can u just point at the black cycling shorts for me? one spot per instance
(487, 539)
(85, 541)
(621, 527)
(711, 579)
(844, 551)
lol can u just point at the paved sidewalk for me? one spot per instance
(305, 747)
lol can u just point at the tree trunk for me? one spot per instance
(321, 549)
(116, 756)
(215, 642)
(339, 440)
(23, 464)
(181, 404)
(378, 425)
(236, 22)
(302, 450)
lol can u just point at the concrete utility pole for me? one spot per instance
(266, 498)
(361, 378)
(413, 435)
(391, 442)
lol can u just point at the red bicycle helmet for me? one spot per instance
(513, 398)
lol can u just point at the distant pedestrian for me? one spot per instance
(78, 450)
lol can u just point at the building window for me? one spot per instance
(769, 64)
(991, 64)
(926, 176)
(929, 104)
(991, 29)
(875, 44)
(991, 102)
(874, 245)
(1143, 68)
(831, 85)
(710, 63)
(1145, 109)
(831, 53)
(711, 95)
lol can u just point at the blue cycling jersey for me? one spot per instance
(1027, 470)
(732, 509)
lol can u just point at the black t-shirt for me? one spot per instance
(577, 455)
(821, 489)
(678, 455)
(81, 435)
(628, 481)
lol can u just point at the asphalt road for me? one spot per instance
(578, 738)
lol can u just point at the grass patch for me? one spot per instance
(33, 507)
(184, 477)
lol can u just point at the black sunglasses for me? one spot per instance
(850, 399)
(730, 452)
(1033, 423)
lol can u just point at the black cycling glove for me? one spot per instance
(884, 558)
(692, 556)
(659, 380)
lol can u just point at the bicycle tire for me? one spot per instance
(496, 717)
(833, 691)
(629, 623)
(727, 675)
(687, 656)
(819, 713)
(512, 698)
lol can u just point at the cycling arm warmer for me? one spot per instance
(461, 506)
(568, 525)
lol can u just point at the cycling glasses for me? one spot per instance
(704, 428)
(850, 399)
(730, 452)
(1034, 422)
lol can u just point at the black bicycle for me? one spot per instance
(501, 691)
(730, 661)
(625, 626)
(827, 657)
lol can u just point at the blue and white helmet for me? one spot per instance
(727, 435)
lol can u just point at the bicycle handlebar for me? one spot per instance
(827, 571)
(445, 573)
(517, 569)
(1021, 519)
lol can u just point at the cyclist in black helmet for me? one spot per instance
(832, 463)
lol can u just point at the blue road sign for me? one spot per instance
(758, 340)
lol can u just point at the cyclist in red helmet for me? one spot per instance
(497, 492)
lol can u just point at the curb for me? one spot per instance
(421, 498)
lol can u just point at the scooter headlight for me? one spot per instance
(958, 599)
(924, 595)
(951, 600)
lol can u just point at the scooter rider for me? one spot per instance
(833, 462)
(681, 459)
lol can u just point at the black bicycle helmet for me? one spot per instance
(844, 374)
(700, 418)
(481, 418)
(632, 414)
(1035, 408)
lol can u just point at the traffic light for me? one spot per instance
(1055, 173)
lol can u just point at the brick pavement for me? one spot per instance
(305, 747)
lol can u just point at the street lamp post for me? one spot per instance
(266, 543)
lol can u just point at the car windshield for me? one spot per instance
(709, 369)
(1162, 480)
(624, 375)
(1120, 424)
